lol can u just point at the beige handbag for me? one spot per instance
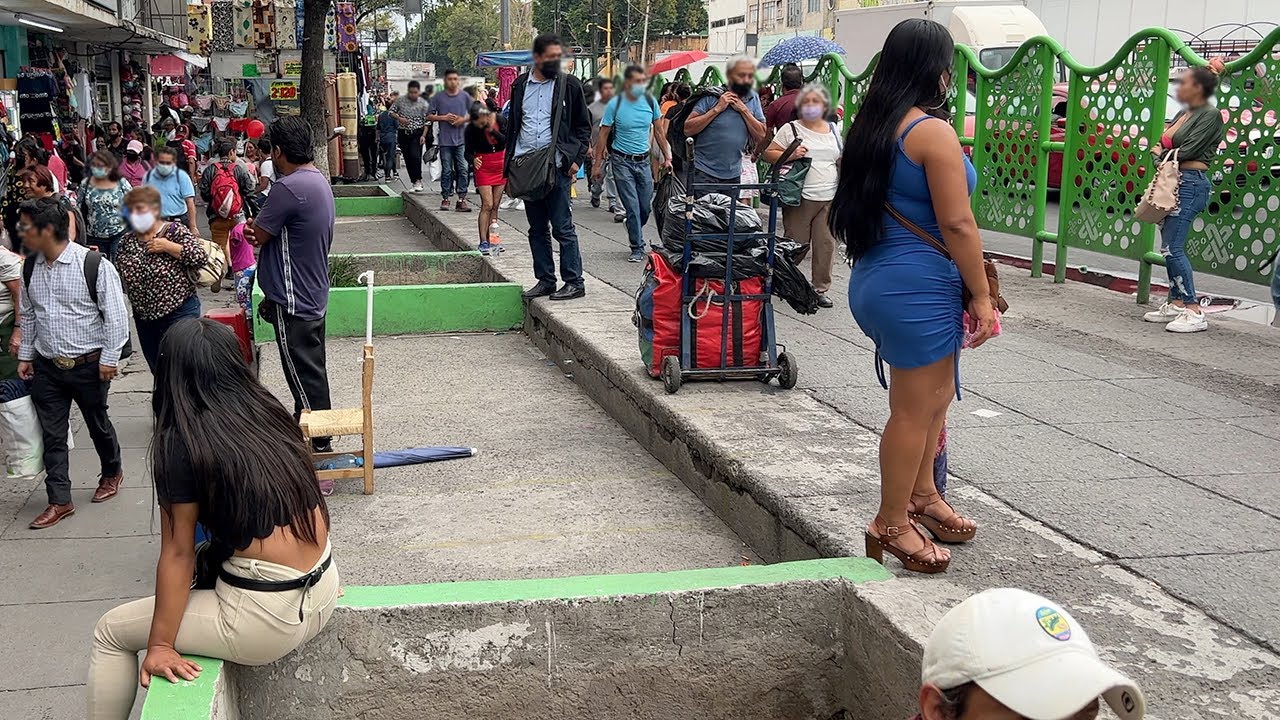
(1161, 197)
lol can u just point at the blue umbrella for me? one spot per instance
(413, 456)
(803, 47)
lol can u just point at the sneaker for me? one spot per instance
(445, 204)
(619, 215)
(595, 201)
(637, 256)
(1188, 322)
(417, 187)
(462, 206)
(1166, 313)
(485, 247)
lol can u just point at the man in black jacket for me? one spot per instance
(534, 97)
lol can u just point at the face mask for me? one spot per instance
(811, 112)
(98, 172)
(740, 89)
(166, 170)
(550, 68)
(171, 135)
(634, 92)
(142, 222)
(132, 157)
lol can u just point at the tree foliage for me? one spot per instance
(451, 34)
(576, 20)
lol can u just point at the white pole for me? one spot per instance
(366, 277)
(644, 42)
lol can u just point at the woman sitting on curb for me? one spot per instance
(269, 584)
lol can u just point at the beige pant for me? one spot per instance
(250, 628)
(806, 223)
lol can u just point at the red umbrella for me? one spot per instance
(677, 60)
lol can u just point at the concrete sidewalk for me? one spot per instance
(1125, 471)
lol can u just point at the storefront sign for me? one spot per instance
(284, 91)
(293, 68)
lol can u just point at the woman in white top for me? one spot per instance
(806, 223)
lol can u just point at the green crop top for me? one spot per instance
(1199, 137)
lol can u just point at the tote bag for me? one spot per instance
(1161, 197)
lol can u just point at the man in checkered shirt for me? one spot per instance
(70, 350)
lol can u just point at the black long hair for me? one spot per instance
(215, 421)
(915, 56)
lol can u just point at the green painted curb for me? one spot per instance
(856, 570)
(388, 203)
(184, 700)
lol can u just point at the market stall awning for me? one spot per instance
(175, 65)
(504, 58)
(80, 21)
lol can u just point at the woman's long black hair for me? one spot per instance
(215, 421)
(915, 56)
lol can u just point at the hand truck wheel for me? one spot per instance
(671, 374)
(788, 373)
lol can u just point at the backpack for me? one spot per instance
(613, 133)
(92, 260)
(675, 129)
(224, 191)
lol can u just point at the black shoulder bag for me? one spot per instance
(533, 175)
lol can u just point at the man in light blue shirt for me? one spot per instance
(177, 193)
(726, 126)
(626, 131)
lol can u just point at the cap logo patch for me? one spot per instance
(1053, 623)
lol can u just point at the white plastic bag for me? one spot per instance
(435, 169)
(22, 438)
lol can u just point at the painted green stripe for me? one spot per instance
(856, 570)
(184, 700)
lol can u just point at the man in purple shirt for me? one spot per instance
(452, 109)
(294, 230)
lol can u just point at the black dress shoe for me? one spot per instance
(569, 292)
(539, 290)
(824, 301)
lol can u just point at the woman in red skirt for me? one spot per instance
(486, 147)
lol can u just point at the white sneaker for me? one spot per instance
(417, 187)
(1166, 313)
(1188, 322)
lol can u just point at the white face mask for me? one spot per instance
(142, 222)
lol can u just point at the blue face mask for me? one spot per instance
(165, 170)
(98, 172)
(635, 91)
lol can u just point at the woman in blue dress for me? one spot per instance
(902, 156)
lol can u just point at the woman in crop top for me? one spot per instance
(1196, 132)
(259, 501)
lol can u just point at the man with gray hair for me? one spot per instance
(726, 126)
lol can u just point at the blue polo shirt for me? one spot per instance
(717, 150)
(174, 191)
(631, 121)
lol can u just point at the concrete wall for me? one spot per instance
(764, 641)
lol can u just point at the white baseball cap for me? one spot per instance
(1029, 654)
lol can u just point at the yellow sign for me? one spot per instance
(293, 68)
(284, 91)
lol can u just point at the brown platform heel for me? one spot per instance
(923, 560)
(940, 530)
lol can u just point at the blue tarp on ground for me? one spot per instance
(504, 58)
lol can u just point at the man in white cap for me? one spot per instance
(1008, 654)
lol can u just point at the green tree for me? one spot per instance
(577, 22)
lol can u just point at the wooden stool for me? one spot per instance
(337, 423)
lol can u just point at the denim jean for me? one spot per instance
(1275, 286)
(1193, 198)
(389, 157)
(635, 188)
(454, 176)
(550, 217)
(151, 332)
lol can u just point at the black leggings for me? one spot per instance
(411, 148)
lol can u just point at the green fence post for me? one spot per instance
(1044, 126)
(1155, 128)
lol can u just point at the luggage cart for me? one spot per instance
(777, 364)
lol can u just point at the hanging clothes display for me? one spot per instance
(298, 20)
(348, 37)
(223, 15)
(286, 24)
(264, 24)
(330, 30)
(242, 27)
(82, 91)
(199, 29)
(37, 91)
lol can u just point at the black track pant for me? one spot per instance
(411, 148)
(301, 345)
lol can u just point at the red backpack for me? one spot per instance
(225, 191)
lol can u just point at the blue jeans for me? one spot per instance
(151, 332)
(1275, 286)
(548, 217)
(388, 156)
(635, 189)
(454, 170)
(1193, 198)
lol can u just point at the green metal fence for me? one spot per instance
(1101, 127)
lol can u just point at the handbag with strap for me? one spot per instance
(1161, 197)
(789, 185)
(534, 174)
(988, 265)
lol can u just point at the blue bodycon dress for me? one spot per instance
(904, 294)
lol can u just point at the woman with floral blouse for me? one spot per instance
(155, 258)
